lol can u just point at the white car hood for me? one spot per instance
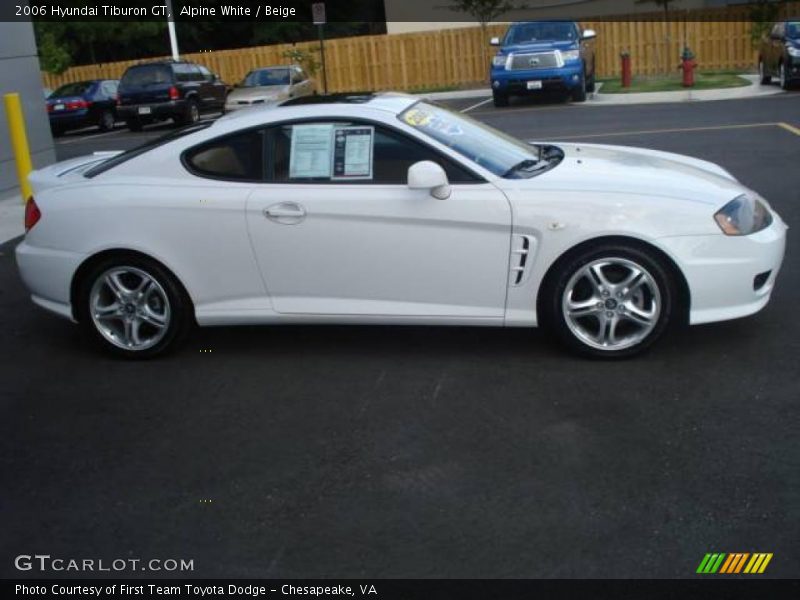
(625, 170)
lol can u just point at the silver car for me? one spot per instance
(268, 85)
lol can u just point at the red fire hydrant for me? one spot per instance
(626, 68)
(688, 65)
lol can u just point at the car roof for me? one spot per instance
(348, 104)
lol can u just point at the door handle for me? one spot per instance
(287, 213)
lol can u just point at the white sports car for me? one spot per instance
(385, 209)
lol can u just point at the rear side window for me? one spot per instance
(238, 157)
(146, 75)
(187, 72)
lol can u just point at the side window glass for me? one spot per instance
(207, 75)
(351, 152)
(299, 75)
(238, 157)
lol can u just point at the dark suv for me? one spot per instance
(177, 90)
(779, 53)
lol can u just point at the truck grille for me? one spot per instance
(538, 60)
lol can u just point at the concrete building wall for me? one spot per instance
(19, 72)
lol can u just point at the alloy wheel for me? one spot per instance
(129, 308)
(611, 304)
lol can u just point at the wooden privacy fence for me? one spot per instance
(456, 57)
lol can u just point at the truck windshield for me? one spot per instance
(501, 154)
(526, 33)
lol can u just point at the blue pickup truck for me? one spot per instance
(543, 55)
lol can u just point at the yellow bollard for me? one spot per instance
(19, 143)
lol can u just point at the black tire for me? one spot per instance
(191, 114)
(134, 124)
(500, 99)
(762, 71)
(178, 307)
(106, 120)
(590, 84)
(553, 298)
(784, 78)
(579, 93)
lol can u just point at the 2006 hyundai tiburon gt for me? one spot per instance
(385, 209)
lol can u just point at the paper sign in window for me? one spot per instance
(352, 152)
(311, 151)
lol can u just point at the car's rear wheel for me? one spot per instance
(134, 124)
(106, 121)
(133, 307)
(500, 99)
(762, 73)
(191, 114)
(610, 301)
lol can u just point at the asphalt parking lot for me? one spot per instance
(423, 452)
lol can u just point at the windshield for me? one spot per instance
(793, 30)
(492, 149)
(265, 77)
(526, 33)
(146, 75)
(72, 89)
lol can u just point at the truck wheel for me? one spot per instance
(191, 115)
(579, 93)
(500, 99)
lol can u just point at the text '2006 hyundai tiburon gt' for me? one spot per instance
(390, 210)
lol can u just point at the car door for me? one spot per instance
(368, 245)
(214, 86)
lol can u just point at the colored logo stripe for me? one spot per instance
(710, 563)
(734, 563)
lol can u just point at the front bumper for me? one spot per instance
(151, 111)
(507, 81)
(48, 274)
(728, 276)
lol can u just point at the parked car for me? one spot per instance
(270, 84)
(392, 210)
(83, 104)
(543, 55)
(178, 90)
(779, 54)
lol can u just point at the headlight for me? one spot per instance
(743, 215)
(569, 55)
(499, 61)
(793, 51)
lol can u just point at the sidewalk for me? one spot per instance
(12, 216)
(755, 90)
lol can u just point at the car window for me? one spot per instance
(342, 157)
(265, 77)
(238, 157)
(146, 75)
(186, 72)
(73, 89)
(207, 75)
(299, 75)
(109, 88)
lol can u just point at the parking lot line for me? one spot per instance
(790, 128)
(481, 103)
(672, 130)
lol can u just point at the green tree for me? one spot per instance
(762, 15)
(484, 12)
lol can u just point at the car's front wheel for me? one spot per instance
(579, 93)
(610, 301)
(133, 307)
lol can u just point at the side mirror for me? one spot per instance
(427, 175)
(495, 41)
(589, 34)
